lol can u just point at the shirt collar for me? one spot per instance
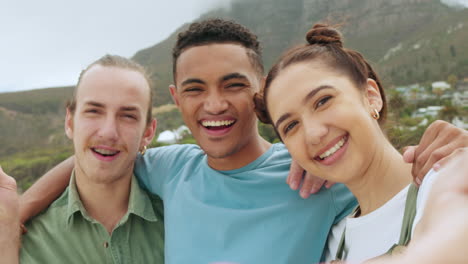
(139, 203)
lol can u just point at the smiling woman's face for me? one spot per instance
(325, 120)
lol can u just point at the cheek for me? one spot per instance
(296, 148)
(188, 106)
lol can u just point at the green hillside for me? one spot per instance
(373, 27)
(435, 52)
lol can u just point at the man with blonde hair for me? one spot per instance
(103, 216)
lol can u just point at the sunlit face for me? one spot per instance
(109, 124)
(214, 91)
(325, 120)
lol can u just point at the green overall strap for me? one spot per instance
(408, 220)
(340, 250)
(407, 224)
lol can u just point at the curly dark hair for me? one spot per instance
(217, 30)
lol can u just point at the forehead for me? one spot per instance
(212, 61)
(113, 86)
(293, 83)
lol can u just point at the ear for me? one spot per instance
(148, 135)
(69, 124)
(373, 95)
(262, 88)
(173, 90)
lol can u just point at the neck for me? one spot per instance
(385, 177)
(107, 203)
(243, 156)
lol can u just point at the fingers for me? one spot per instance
(310, 184)
(296, 173)
(439, 140)
(452, 158)
(427, 161)
(6, 181)
(329, 184)
(408, 154)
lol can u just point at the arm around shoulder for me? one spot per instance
(160, 165)
(45, 190)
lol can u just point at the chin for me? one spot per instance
(220, 152)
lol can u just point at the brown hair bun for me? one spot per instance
(322, 34)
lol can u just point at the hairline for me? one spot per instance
(259, 70)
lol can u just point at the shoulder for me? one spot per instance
(172, 153)
(175, 150)
(343, 200)
(277, 154)
(47, 224)
(56, 210)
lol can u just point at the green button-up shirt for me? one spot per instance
(65, 233)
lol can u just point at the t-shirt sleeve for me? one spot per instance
(343, 200)
(423, 194)
(160, 165)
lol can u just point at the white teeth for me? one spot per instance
(105, 151)
(217, 123)
(333, 149)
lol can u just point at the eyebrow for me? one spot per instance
(306, 98)
(123, 108)
(93, 103)
(281, 119)
(315, 91)
(129, 108)
(192, 80)
(234, 75)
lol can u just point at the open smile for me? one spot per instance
(218, 128)
(105, 154)
(333, 152)
(218, 124)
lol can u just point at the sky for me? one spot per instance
(47, 43)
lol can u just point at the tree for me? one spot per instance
(452, 80)
(449, 112)
(396, 103)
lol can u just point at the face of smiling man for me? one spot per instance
(109, 126)
(215, 87)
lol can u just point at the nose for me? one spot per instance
(315, 130)
(109, 129)
(215, 103)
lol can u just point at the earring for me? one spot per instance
(143, 151)
(376, 114)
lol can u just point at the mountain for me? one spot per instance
(408, 40)
(32, 119)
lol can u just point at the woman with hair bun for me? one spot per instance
(327, 105)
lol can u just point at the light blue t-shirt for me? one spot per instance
(247, 215)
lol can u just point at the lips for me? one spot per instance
(217, 124)
(104, 153)
(219, 127)
(333, 151)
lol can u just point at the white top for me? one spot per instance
(374, 234)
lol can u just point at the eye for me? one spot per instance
(236, 85)
(193, 89)
(322, 101)
(129, 116)
(91, 111)
(288, 127)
